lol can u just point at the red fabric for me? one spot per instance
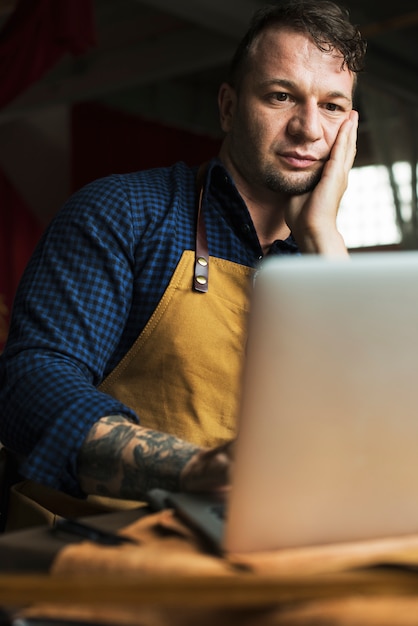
(19, 233)
(106, 141)
(36, 36)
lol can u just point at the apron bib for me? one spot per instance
(182, 375)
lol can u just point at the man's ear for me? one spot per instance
(227, 99)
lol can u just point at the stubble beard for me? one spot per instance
(285, 184)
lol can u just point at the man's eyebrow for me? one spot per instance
(338, 94)
(279, 82)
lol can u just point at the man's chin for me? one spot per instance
(292, 185)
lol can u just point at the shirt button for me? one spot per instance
(246, 228)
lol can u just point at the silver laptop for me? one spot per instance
(327, 449)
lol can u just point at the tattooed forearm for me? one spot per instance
(158, 461)
(100, 456)
(122, 459)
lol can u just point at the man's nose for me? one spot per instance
(306, 122)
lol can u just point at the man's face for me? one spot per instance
(283, 120)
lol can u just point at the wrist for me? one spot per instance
(329, 243)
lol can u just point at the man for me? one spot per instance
(134, 304)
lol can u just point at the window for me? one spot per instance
(367, 215)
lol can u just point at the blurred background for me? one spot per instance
(93, 87)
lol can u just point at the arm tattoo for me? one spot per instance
(158, 461)
(126, 460)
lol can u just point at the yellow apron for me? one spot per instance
(182, 374)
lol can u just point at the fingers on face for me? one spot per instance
(345, 146)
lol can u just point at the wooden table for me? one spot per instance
(358, 597)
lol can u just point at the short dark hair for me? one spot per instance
(326, 22)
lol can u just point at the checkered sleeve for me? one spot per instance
(69, 313)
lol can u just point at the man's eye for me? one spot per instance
(281, 96)
(331, 106)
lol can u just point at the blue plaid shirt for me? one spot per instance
(93, 282)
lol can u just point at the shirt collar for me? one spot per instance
(221, 191)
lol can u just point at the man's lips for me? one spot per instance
(298, 160)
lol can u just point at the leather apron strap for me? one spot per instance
(201, 268)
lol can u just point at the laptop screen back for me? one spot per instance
(328, 432)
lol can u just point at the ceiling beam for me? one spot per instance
(175, 54)
(397, 22)
(229, 17)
